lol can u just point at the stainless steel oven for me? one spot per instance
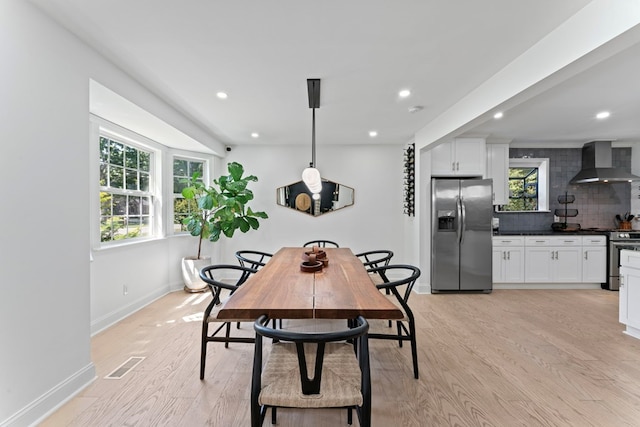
(619, 240)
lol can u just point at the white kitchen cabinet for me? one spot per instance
(547, 260)
(508, 259)
(629, 294)
(594, 259)
(498, 170)
(553, 259)
(460, 157)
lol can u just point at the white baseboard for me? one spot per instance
(422, 288)
(35, 412)
(115, 316)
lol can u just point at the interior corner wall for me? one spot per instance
(375, 221)
(45, 269)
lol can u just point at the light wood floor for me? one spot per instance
(510, 358)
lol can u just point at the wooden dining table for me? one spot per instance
(341, 290)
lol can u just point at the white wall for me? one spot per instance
(45, 273)
(44, 267)
(375, 221)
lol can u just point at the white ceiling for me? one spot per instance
(364, 51)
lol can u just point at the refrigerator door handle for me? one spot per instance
(459, 217)
(463, 219)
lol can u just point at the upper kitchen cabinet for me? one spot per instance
(460, 157)
(498, 170)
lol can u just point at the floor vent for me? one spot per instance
(122, 370)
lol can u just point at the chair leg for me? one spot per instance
(414, 349)
(399, 334)
(203, 349)
(274, 414)
(349, 415)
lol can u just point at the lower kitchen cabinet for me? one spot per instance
(572, 259)
(629, 295)
(553, 259)
(508, 260)
(594, 259)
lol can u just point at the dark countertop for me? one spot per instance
(548, 233)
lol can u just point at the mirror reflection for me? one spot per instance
(297, 196)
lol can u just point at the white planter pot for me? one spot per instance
(191, 267)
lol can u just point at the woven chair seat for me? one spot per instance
(340, 378)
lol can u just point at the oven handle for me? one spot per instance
(628, 243)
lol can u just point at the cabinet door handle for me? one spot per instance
(586, 255)
(552, 255)
(453, 166)
(457, 166)
(504, 255)
(557, 255)
(509, 255)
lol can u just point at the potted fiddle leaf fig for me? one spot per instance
(219, 209)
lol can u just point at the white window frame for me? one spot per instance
(101, 127)
(205, 178)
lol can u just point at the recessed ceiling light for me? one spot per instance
(255, 135)
(404, 93)
(373, 133)
(498, 115)
(222, 95)
(603, 115)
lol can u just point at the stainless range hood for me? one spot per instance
(597, 166)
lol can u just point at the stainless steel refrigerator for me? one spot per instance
(461, 212)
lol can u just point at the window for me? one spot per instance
(183, 169)
(528, 185)
(523, 189)
(125, 196)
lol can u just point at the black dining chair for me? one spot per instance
(376, 258)
(221, 278)
(253, 259)
(321, 243)
(400, 291)
(340, 379)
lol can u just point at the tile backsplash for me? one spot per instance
(597, 204)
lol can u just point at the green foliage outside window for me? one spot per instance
(183, 170)
(523, 189)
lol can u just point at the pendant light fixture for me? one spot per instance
(311, 175)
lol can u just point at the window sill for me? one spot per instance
(127, 243)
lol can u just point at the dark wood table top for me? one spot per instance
(342, 290)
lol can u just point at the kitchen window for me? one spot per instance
(528, 185)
